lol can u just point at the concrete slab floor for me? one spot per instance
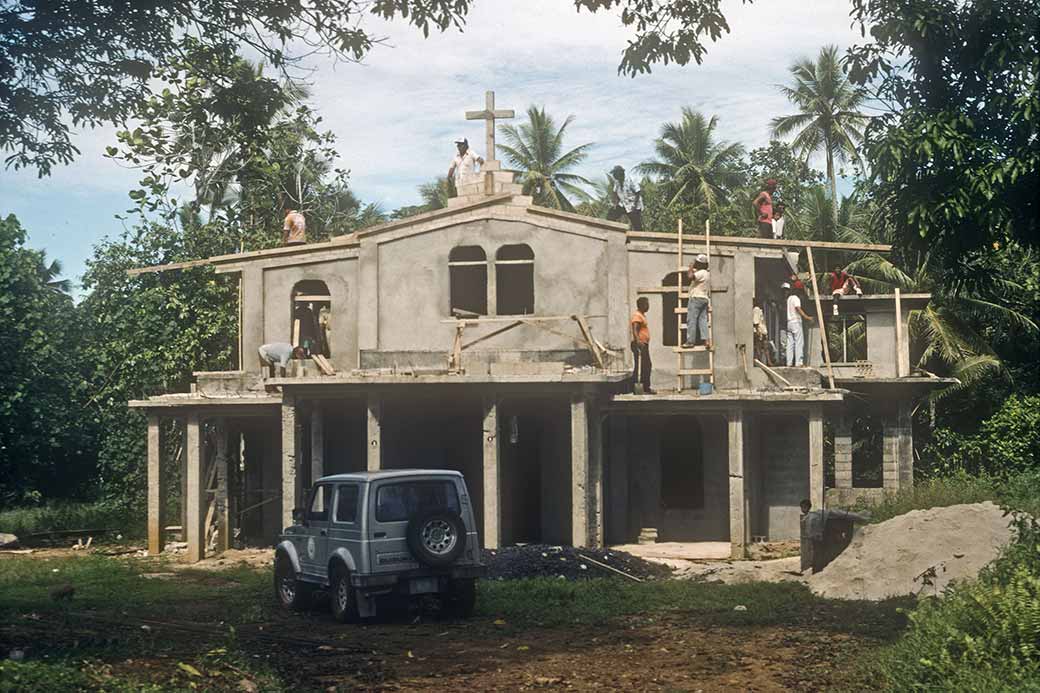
(679, 550)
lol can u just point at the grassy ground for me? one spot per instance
(58, 516)
(213, 630)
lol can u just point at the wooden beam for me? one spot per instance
(899, 336)
(819, 316)
(773, 373)
(489, 335)
(168, 267)
(762, 242)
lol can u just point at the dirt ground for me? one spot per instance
(655, 651)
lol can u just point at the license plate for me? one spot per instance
(423, 585)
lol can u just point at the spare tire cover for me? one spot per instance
(437, 537)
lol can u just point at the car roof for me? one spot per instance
(389, 474)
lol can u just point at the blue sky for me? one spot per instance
(396, 115)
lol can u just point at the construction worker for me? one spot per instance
(294, 230)
(641, 346)
(628, 199)
(697, 307)
(795, 331)
(763, 204)
(842, 284)
(463, 169)
(278, 355)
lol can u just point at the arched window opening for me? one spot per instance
(312, 316)
(514, 280)
(671, 331)
(467, 269)
(682, 464)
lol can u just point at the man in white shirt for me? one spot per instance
(629, 199)
(778, 220)
(463, 169)
(697, 308)
(795, 333)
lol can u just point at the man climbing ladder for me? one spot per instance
(698, 311)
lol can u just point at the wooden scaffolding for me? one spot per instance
(680, 350)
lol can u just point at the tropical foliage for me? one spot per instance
(535, 150)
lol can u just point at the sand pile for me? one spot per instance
(916, 553)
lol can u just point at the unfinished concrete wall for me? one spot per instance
(785, 456)
(644, 473)
(709, 521)
(555, 454)
(570, 276)
(346, 429)
(262, 512)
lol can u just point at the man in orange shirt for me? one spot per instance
(641, 346)
(294, 231)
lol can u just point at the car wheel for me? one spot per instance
(462, 598)
(437, 538)
(343, 598)
(291, 592)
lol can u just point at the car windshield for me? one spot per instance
(400, 501)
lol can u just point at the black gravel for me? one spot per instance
(540, 560)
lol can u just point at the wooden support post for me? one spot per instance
(156, 490)
(375, 442)
(289, 459)
(737, 491)
(223, 513)
(183, 429)
(492, 475)
(194, 529)
(317, 441)
(819, 316)
(579, 471)
(900, 371)
(816, 491)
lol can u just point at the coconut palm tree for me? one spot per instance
(695, 168)
(828, 120)
(535, 150)
(48, 272)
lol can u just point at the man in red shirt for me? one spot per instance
(842, 284)
(641, 346)
(763, 204)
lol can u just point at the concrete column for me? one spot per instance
(737, 492)
(579, 472)
(195, 529)
(221, 502)
(596, 476)
(375, 437)
(842, 453)
(317, 441)
(905, 445)
(156, 490)
(816, 457)
(617, 478)
(898, 448)
(368, 296)
(289, 459)
(182, 428)
(492, 476)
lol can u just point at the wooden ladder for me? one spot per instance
(680, 350)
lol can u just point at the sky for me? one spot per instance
(395, 115)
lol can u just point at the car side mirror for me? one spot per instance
(299, 517)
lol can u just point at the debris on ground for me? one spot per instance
(539, 560)
(918, 553)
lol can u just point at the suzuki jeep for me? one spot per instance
(371, 534)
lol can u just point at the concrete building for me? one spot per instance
(531, 399)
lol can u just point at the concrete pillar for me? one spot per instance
(182, 428)
(842, 453)
(317, 441)
(375, 438)
(617, 478)
(905, 445)
(221, 501)
(194, 528)
(595, 476)
(492, 475)
(289, 459)
(737, 491)
(156, 490)
(579, 472)
(897, 455)
(816, 457)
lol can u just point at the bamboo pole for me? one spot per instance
(819, 316)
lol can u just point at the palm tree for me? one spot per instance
(48, 273)
(436, 193)
(829, 120)
(535, 150)
(696, 169)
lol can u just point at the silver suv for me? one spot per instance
(407, 532)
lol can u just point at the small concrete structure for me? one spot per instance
(529, 400)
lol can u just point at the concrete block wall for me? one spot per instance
(898, 448)
(785, 457)
(842, 453)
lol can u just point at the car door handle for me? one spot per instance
(379, 535)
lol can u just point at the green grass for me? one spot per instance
(56, 516)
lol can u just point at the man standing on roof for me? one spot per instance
(763, 204)
(628, 199)
(463, 169)
(294, 230)
(795, 332)
(641, 346)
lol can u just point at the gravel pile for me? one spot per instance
(539, 560)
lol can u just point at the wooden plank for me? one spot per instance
(819, 316)
(694, 371)
(773, 373)
(584, 329)
(525, 318)
(494, 333)
(323, 365)
(899, 336)
(763, 242)
(683, 350)
(137, 271)
(308, 298)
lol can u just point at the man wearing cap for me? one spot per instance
(697, 308)
(763, 205)
(463, 169)
(795, 333)
(628, 199)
